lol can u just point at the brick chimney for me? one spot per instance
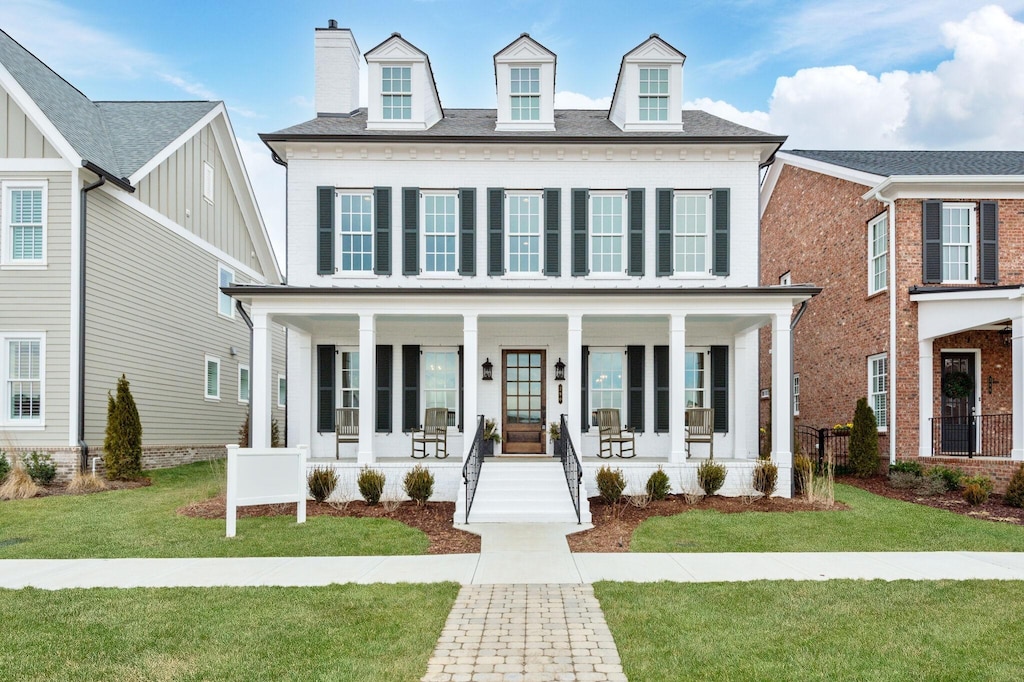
(337, 70)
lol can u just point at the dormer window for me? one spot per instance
(525, 92)
(653, 94)
(396, 92)
(649, 90)
(403, 95)
(524, 72)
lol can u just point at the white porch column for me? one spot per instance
(574, 381)
(925, 388)
(677, 388)
(1018, 389)
(259, 378)
(745, 400)
(470, 382)
(782, 392)
(367, 394)
(300, 388)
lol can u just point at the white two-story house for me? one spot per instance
(520, 263)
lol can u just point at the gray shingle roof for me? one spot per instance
(886, 163)
(479, 123)
(119, 137)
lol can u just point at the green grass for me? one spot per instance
(872, 524)
(340, 632)
(143, 522)
(836, 630)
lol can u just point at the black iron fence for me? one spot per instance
(474, 462)
(982, 435)
(570, 464)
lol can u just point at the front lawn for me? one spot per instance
(143, 522)
(339, 632)
(871, 524)
(835, 630)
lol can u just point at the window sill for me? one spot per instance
(876, 294)
(609, 275)
(440, 275)
(538, 276)
(355, 274)
(695, 276)
(958, 282)
(34, 426)
(212, 400)
(13, 265)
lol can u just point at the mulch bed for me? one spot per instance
(62, 488)
(993, 510)
(433, 518)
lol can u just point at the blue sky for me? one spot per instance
(830, 74)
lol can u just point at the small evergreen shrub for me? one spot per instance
(122, 446)
(275, 434)
(371, 485)
(711, 476)
(658, 485)
(322, 481)
(766, 477)
(40, 467)
(975, 494)
(5, 466)
(908, 467)
(802, 467)
(1015, 490)
(903, 480)
(954, 478)
(419, 484)
(864, 441)
(610, 484)
(930, 485)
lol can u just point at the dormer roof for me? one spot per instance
(625, 108)
(525, 102)
(426, 103)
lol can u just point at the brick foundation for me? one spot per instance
(153, 457)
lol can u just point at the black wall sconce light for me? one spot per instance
(559, 370)
(488, 370)
(1006, 333)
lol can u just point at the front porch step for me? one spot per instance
(521, 492)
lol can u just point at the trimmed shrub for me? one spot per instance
(5, 466)
(711, 476)
(371, 485)
(40, 467)
(658, 485)
(953, 478)
(86, 483)
(864, 441)
(975, 494)
(322, 481)
(18, 485)
(802, 467)
(1015, 490)
(766, 477)
(122, 447)
(903, 480)
(907, 467)
(419, 484)
(930, 485)
(610, 484)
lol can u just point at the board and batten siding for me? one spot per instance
(151, 313)
(19, 137)
(39, 300)
(175, 189)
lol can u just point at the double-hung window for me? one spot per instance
(282, 390)
(440, 370)
(878, 249)
(348, 387)
(212, 378)
(243, 384)
(525, 93)
(796, 394)
(24, 217)
(23, 375)
(691, 227)
(653, 94)
(225, 278)
(355, 218)
(878, 388)
(606, 379)
(606, 232)
(396, 91)
(440, 232)
(696, 377)
(524, 234)
(958, 239)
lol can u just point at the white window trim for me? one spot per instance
(423, 377)
(508, 234)
(610, 274)
(221, 268)
(796, 394)
(7, 260)
(870, 394)
(512, 96)
(241, 368)
(208, 182)
(708, 236)
(873, 257)
(706, 352)
(666, 96)
(445, 274)
(282, 396)
(338, 253)
(972, 234)
(206, 377)
(412, 88)
(5, 373)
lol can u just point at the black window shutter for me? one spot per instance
(410, 387)
(325, 230)
(580, 198)
(635, 414)
(636, 232)
(324, 388)
(720, 242)
(552, 232)
(584, 395)
(663, 232)
(382, 231)
(385, 363)
(931, 242)
(467, 231)
(462, 383)
(410, 231)
(495, 231)
(989, 242)
(661, 395)
(720, 387)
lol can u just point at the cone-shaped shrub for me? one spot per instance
(864, 441)
(122, 447)
(1015, 491)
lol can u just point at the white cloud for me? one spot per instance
(267, 180)
(196, 89)
(575, 100)
(758, 120)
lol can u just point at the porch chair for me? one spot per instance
(611, 433)
(346, 428)
(435, 430)
(700, 428)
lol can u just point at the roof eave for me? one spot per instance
(531, 139)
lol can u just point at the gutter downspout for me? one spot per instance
(83, 463)
(248, 323)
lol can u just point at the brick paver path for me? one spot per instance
(525, 633)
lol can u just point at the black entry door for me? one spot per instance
(958, 423)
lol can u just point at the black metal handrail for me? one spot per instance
(474, 462)
(570, 464)
(960, 436)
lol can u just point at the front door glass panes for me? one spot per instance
(523, 388)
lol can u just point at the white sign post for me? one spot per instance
(265, 476)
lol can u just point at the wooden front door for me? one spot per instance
(959, 433)
(522, 399)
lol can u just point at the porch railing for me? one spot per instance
(474, 462)
(982, 435)
(570, 464)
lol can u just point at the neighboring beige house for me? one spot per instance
(132, 214)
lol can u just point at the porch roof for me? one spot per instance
(797, 293)
(950, 310)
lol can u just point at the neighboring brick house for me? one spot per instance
(921, 259)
